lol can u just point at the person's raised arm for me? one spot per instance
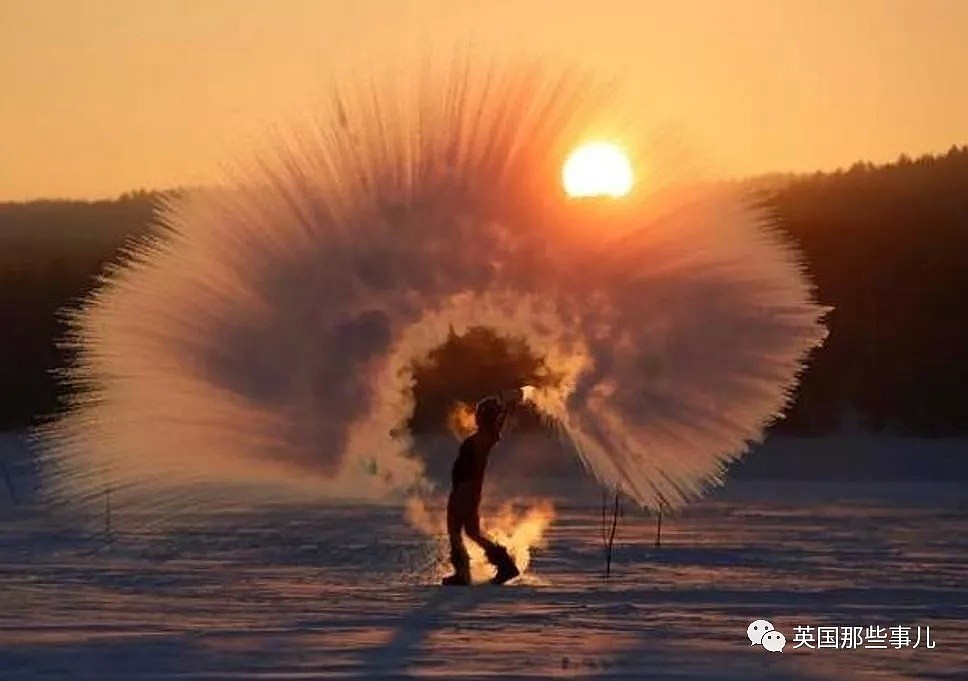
(512, 398)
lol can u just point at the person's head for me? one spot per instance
(487, 414)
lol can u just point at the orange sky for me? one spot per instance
(105, 96)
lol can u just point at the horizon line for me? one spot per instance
(901, 158)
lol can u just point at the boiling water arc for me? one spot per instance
(269, 333)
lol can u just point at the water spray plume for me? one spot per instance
(267, 333)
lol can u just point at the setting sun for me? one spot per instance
(597, 169)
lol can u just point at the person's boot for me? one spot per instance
(462, 570)
(456, 579)
(506, 569)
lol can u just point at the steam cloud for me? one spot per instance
(268, 333)
(518, 527)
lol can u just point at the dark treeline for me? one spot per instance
(51, 253)
(887, 247)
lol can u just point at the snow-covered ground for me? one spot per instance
(325, 592)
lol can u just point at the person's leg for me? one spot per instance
(458, 553)
(497, 555)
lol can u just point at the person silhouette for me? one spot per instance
(467, 481)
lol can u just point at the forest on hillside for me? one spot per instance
(887, 247)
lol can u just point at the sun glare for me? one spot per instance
(597, 169)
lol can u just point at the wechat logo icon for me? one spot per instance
(762, 632)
